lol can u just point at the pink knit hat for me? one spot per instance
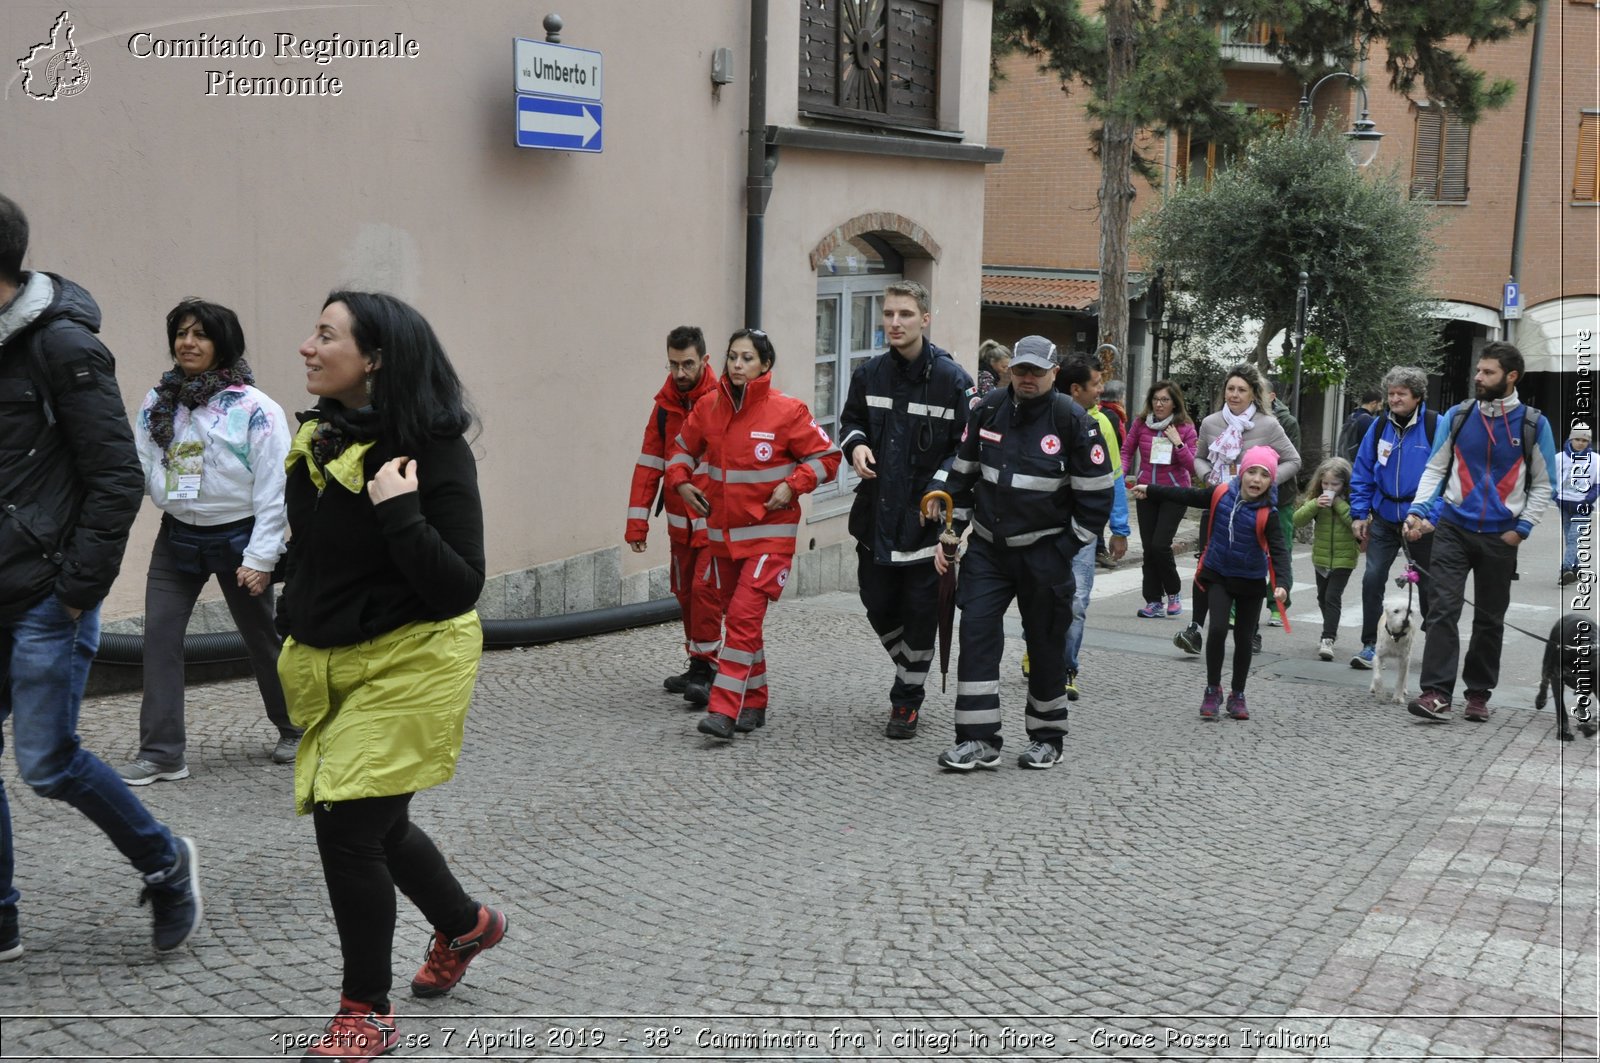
(1266, 457)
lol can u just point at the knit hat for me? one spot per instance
(1266, 457)
(1035, 351)
(1581, 429)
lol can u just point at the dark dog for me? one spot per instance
(1569, 661)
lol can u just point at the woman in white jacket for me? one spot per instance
(212, 447)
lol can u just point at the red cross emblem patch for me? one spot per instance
(763, 451)
(1050, 444)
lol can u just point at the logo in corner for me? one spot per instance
(55, 69)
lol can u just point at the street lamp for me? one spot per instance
(1362, 137)
(1175, 328)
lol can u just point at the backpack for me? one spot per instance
(1350, 440)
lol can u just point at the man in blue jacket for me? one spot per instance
(70, 487)
(1487, 483)
(901, 424)
(1388, 467)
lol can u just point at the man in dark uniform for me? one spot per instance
(901, 424)
(1040, 476)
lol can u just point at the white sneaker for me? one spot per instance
(1325, 649)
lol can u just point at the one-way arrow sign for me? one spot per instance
(562, 125)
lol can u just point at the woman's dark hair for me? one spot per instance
(759, 341)
(220, 325)
(1180, 412)
(416, 392)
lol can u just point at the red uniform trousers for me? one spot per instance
(747, 585)
(699, 599)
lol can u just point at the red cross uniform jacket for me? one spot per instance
(666, 421)
(748, 447)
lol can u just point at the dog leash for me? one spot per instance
(1414, 572)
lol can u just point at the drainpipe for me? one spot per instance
(1525, 174)
(758, 172)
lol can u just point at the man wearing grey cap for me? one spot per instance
(1038, 473)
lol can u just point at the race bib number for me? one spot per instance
(184, 468)
(1384, 448)
(1161, 451)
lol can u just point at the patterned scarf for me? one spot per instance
(1224, 449)
(192, 391)
(338, 427)
(1156, 426)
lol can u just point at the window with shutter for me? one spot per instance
(876, 59)
(1440, 156)
(1586, 174)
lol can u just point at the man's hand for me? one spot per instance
(1117, 547)
(932, 510)
(861, 460)
(695, 499)
(398, 476)
(781, 496)
(1511, 538)
(1416, 528)
(941, 564)
(1359, 528)
(253, 580)
(638, 547)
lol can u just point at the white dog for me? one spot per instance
(1395, 635)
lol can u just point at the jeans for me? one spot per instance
(1383, 545)
(1574, 526)
(1083, 580)
(44, 663)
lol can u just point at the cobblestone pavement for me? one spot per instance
(1330, 879)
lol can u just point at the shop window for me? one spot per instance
(871, 59)
(1439, 157)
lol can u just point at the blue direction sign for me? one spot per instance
(560, 125)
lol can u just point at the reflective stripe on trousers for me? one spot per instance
(902, 603)
(747, 586)
(698, 599)
(1039, 577)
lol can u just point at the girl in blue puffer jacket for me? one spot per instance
(1244, 556)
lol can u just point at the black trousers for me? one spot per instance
(370, 848)
(1492, 563)
(903, 608)
(1330, 598)
(1039, 578)
(1158, 523)
(1244, 598)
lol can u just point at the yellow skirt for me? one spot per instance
(381, 717)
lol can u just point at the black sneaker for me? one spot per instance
(697, 688)
(1188, 640)
(174, 898)
(749, 720)
(717, 726)
(902, 722)
(10, 936)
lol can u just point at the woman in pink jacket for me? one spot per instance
(1162, 439)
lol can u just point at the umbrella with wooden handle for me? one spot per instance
(949, 543)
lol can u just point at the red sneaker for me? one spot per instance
(1430, 705)
(1477, 708)
(357, 1032)
(446, 960)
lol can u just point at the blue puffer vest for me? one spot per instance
(1233, 548)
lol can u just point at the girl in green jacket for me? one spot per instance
(1334, 548)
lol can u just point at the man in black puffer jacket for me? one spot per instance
(901, 425)
(70, 487)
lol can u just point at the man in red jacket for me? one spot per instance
(688, 381)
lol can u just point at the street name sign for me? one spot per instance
(558, 70)
(561, 125)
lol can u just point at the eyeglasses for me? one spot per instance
(1028, 370)
(682, 367)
